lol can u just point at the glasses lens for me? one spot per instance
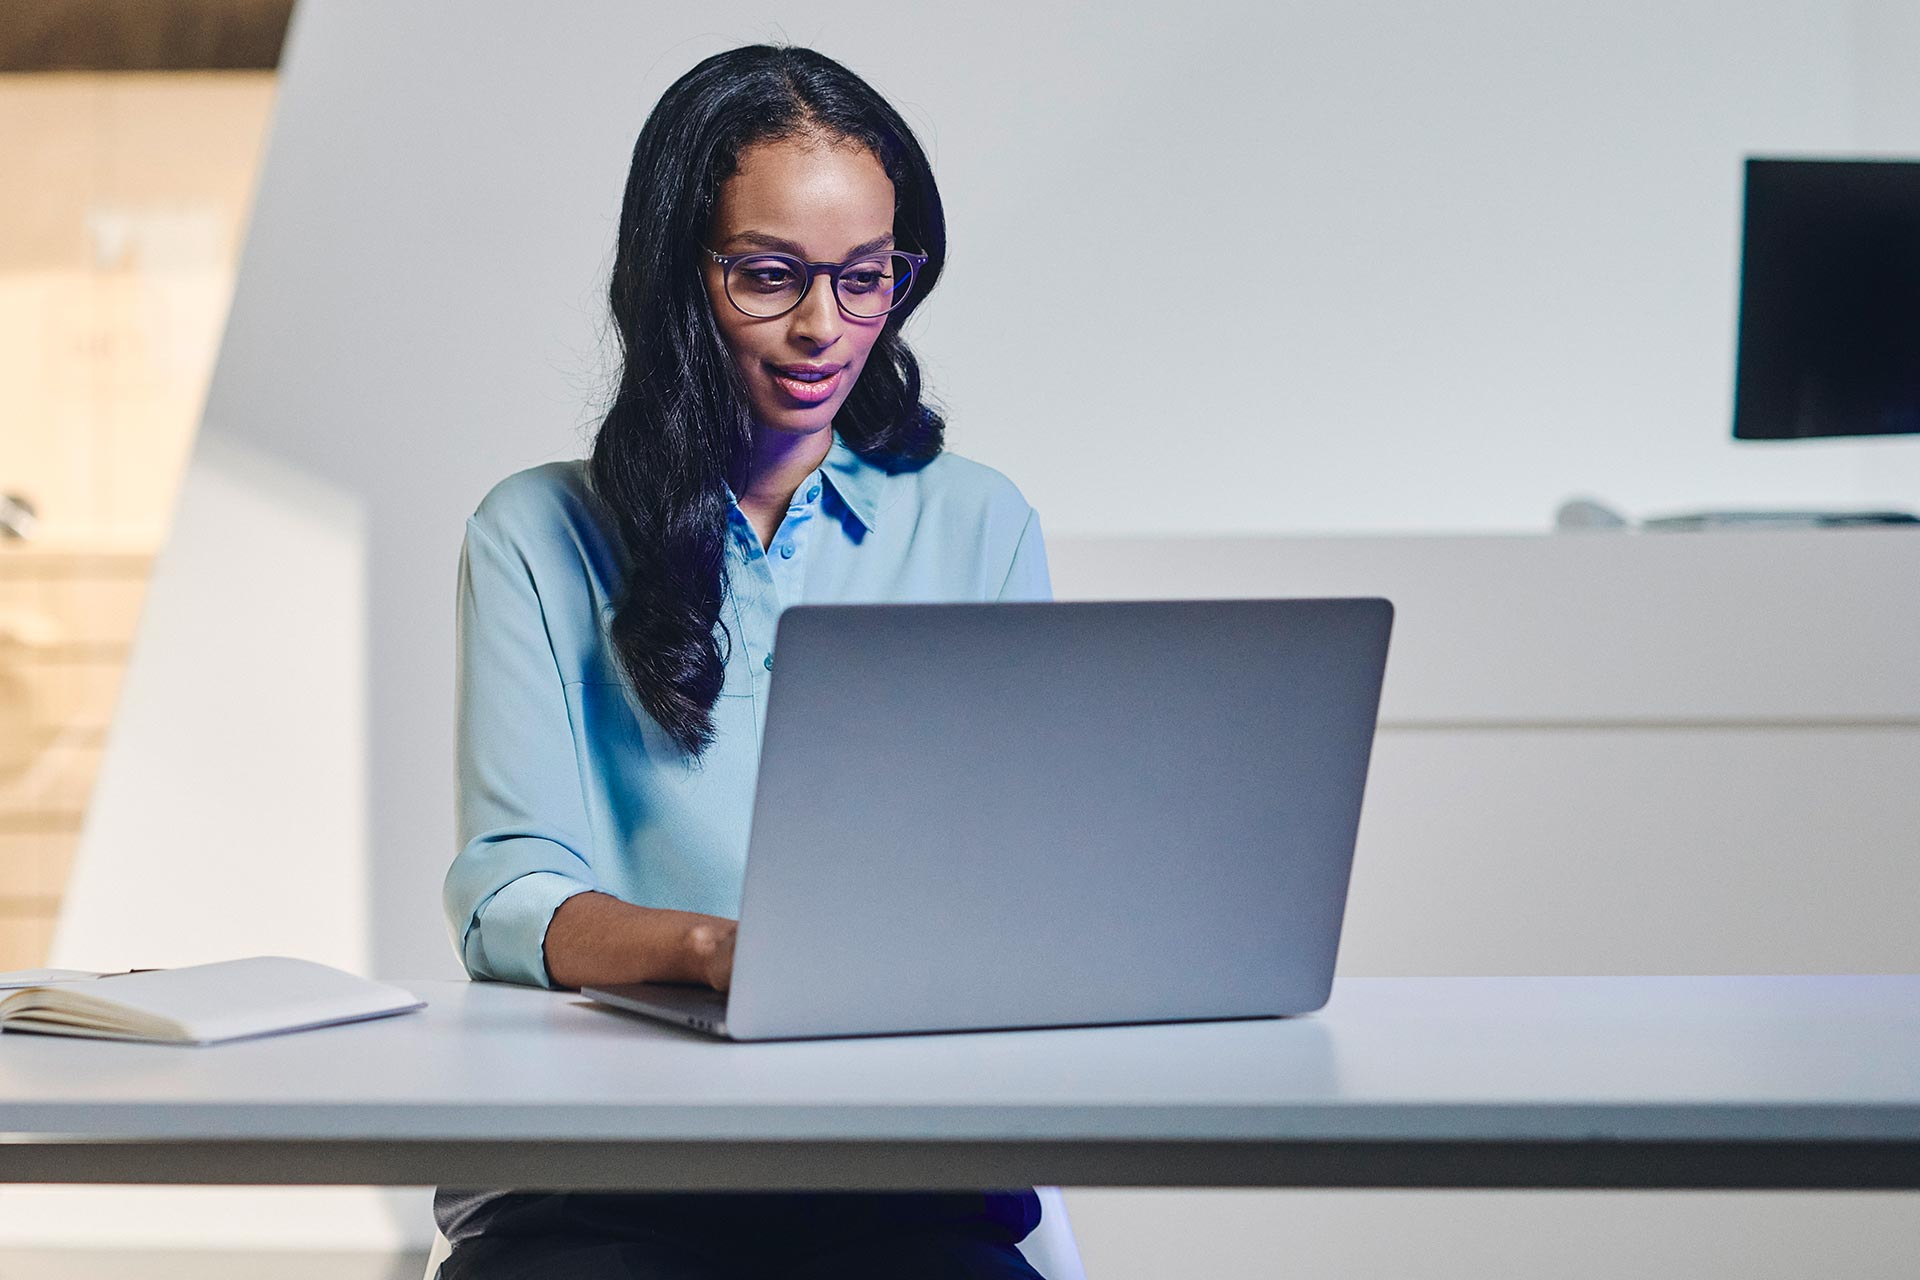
(874, 286)
(765, 286)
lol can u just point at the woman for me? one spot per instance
(767, 444)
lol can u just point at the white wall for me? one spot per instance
(1886, 92)
(1494, 247)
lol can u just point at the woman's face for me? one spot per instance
(819, 202)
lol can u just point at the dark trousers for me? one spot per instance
(750, 1236)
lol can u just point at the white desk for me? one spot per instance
(1510, 1082)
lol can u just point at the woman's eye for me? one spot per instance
(863, 280)
(770, 279)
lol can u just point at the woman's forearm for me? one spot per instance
(595, 939)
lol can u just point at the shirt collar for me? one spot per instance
(859, 483)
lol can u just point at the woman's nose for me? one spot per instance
(817, 320)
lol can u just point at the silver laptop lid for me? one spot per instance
(1005, 815)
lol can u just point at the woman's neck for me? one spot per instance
(780, 462)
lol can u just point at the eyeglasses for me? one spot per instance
(765, 285)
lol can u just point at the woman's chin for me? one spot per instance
(792, 421)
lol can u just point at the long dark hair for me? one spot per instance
(678, 430)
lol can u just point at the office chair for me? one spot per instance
(1050, 1250)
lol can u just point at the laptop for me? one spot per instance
(985, 816)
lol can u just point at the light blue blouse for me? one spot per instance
(566, 784)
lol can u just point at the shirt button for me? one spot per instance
(786, 551)
(767, 662)
(813, 493)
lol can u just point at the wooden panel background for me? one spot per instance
(127, 199)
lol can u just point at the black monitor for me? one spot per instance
(1829, 300)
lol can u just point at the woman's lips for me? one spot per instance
(808, 392)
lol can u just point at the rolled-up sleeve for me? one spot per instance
(1027, 577)
(521, 816)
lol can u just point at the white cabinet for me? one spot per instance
(1613, 753)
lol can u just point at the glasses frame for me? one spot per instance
(808, 271)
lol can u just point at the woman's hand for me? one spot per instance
(711, 944)
(596, 940)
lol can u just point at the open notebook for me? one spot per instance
(204, 1003)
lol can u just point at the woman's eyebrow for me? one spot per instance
(761, 240)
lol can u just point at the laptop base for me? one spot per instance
(701, 1008)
